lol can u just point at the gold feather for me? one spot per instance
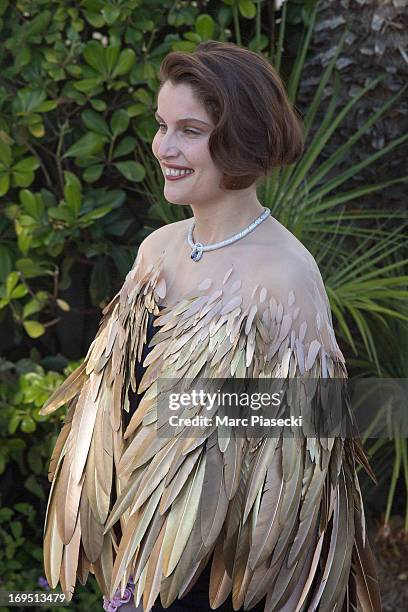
(154, 573)
(175, 484)
(58, 451)
(83, 566)
(220, 582)
(65, 391)
(133, 533)
(242, 573)
(262, 460)
(92, 530)
(70, 563)
(103, 566)
(67, 498)
(124, 499)
(213, 491)
(53, 548)
(181, 518)
(268, 526)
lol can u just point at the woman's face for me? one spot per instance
(182, 140)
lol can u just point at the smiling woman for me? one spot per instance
(208, 517)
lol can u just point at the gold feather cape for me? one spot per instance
(282, 517)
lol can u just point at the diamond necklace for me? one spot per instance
(198, 248)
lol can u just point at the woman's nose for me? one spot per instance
(167, 145)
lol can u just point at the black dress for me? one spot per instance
(197, 598)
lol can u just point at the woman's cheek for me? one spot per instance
(155, 144)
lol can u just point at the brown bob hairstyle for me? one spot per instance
(256, 127)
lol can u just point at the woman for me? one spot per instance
(206, 518)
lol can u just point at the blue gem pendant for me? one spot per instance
(197, 252)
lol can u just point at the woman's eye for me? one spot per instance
(187, 130)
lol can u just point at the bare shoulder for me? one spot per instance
(156, 243)
(280, 258)
(290, 273)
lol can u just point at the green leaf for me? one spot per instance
(97, 213)
(24, 508)
(22, 179)
(22, 57)
(127, 145)
(5, 154)
(95, 122)
(131, 170)
(47, 106)
(88, 86)
(31, 307)
(14, 422)
(26, 165)
(28, 425)
(72, 192)
(74, 70)
(34, 460)
(95, 56)
(119, 122)
(193, 36)
(34, 329)
(110, 14)
(19, 292)
(62, 213)
(111, 56)
(136, 109)
(4, 183)
(88, 145)
(11, 282)
(32, 485)
(5, 263)
(126, 62)
(32, 268)
(93, 173)
(24, 241)
(27, 100)
(5, 514)
(32, 204)
(205, 26)
(263, 43)
(94, 18)
(144, 96)
(183, 45)
(149, 71)
(118, 229)
(247, 8)
(99, 105)
(38, 24)
(16, 529)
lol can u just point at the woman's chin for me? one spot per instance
(176, 201)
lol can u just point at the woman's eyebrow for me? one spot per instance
(156, 114)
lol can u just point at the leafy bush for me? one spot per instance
(77, 91)
(79, 191)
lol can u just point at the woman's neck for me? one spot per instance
(216, 222)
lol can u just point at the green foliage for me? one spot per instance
(76, 96)
(79, 191)
(26, 441)
(78, 89)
